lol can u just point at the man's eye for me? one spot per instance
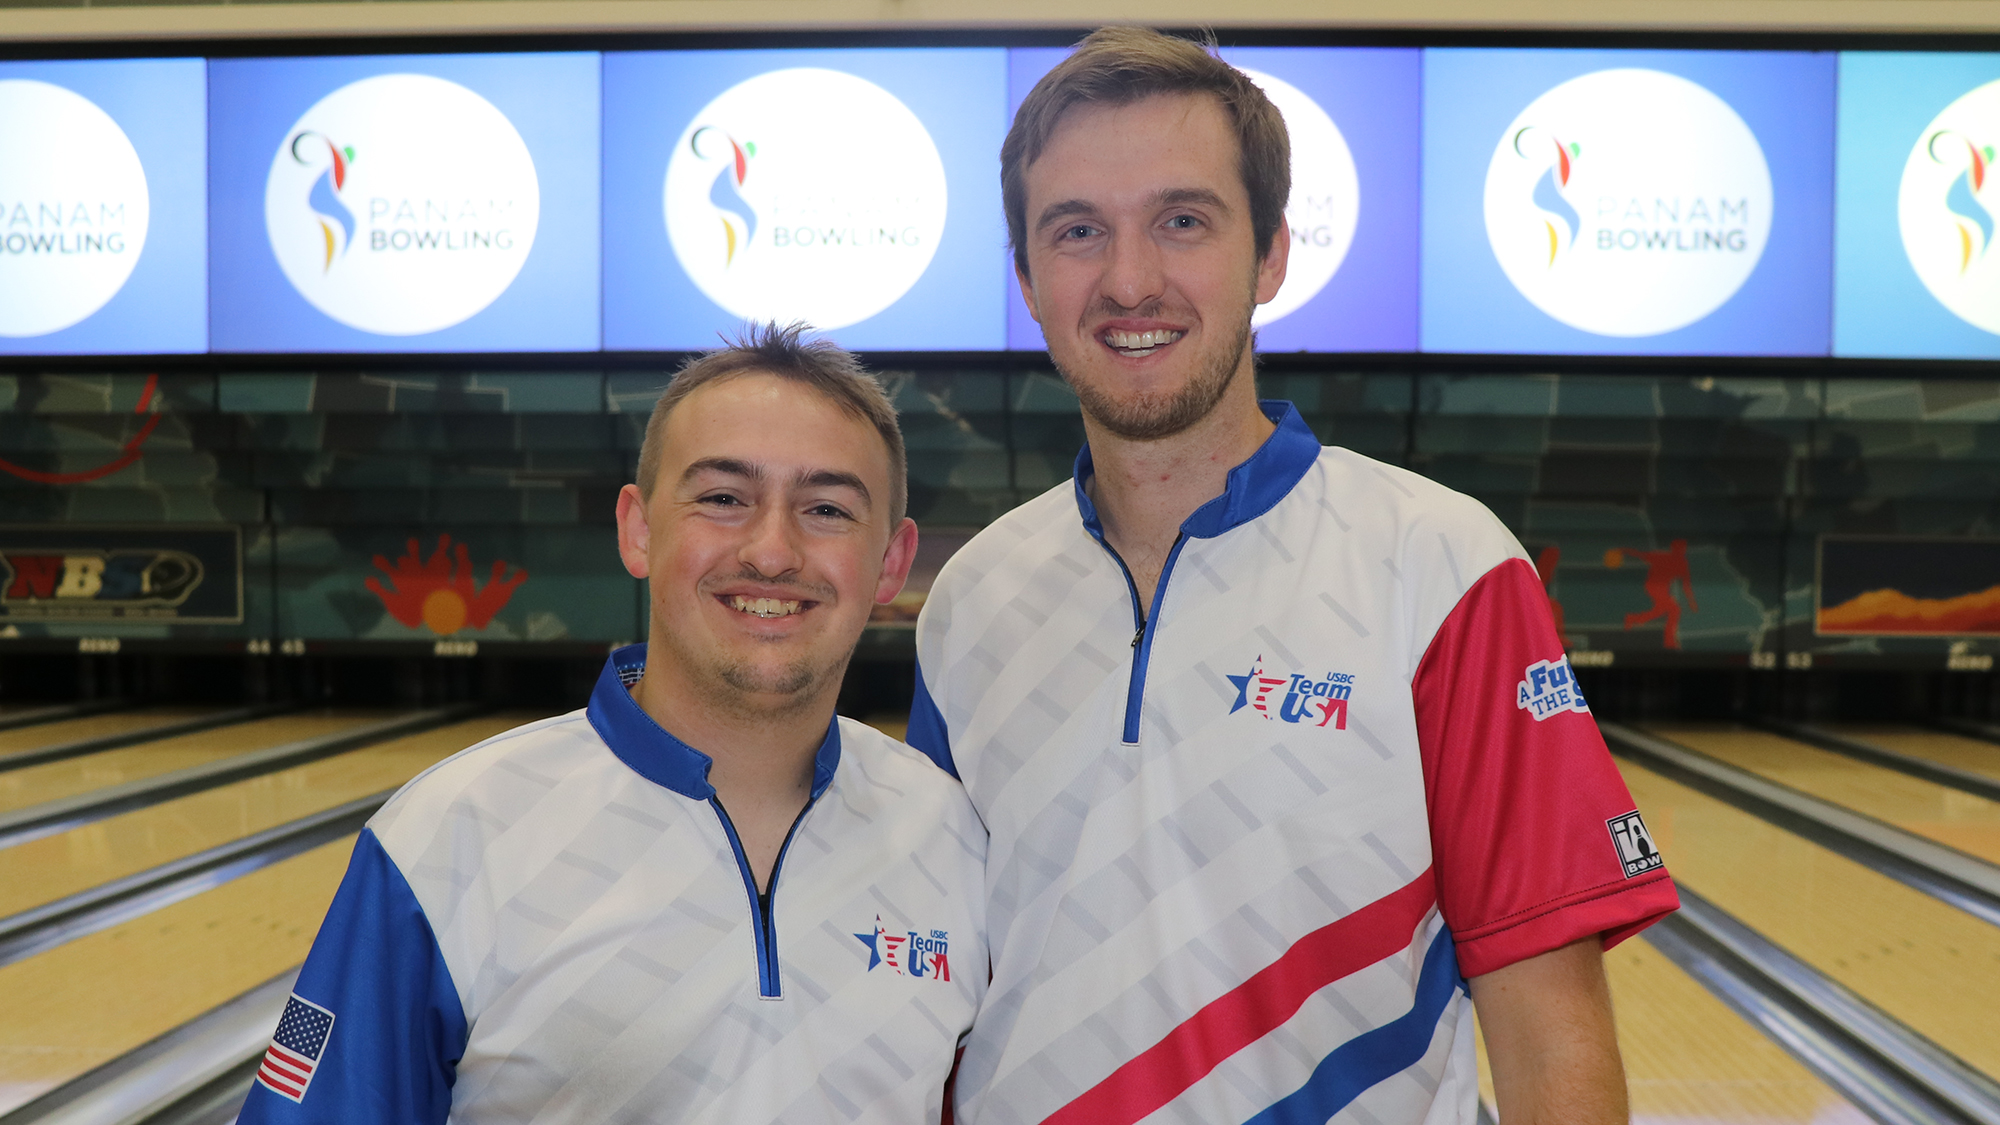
(721, 500)
(1078, 232)
(828, 511)
(1183, 222)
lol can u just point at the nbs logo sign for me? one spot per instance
(402, 204)
(1947, 205)
(1628, 202)
(1325, 201)
(805, 194)
(73, 207)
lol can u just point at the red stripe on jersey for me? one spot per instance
(1523, 859)
(1252, 1009)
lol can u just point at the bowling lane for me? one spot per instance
(1928, 964)
(63, 864)
(1949, 816)
(1688, 1058)
(95, 726)
(95, 998)
(52, 780)
(1946, 749)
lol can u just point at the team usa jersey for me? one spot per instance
(559, 925)
(1247, 846)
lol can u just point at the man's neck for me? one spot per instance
(1145, 490)
(763, 759)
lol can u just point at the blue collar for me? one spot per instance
(657, 755)
(1253, 488)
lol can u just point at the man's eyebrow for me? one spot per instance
(1068, 208)
(1182, 197)
(835, 478)
(727, 466)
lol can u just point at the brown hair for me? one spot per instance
(1116, 66)
(819, 364)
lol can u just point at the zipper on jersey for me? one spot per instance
(763, 906)
(1142, 636)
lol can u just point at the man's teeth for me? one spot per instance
(763, 607)
(1142, 343)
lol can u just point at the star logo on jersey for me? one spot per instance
(1293, 696)
(1548, 688)
(910, 953)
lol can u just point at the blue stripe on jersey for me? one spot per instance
(393, 1053)
(927, 731)
(1372, 1056)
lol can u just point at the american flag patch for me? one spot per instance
(296, 1049)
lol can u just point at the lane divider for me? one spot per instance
(56, 713)
(35, 756)
(1937, 773)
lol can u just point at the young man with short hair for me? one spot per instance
(1276, 744)
(703, 897)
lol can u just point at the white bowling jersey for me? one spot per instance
(559, 925)
(1247, 844)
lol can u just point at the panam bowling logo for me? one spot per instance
(402, 204)
(1628, 202)
(805, 194)
(73, 207)
(1294, 697)
(1947, 204)
(1325, 203)
(910, 953)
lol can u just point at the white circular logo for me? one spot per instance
(73, 207)
(805, 194)
(1948, 204)
(402, 204)
(1628, 202)
(1325, 202)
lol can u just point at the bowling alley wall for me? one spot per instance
(347, 355)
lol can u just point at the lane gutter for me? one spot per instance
(57, 712)
(21, 759)
(50, 817)
(1937, 773)
(1964, 881)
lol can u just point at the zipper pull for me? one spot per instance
(1136, 634)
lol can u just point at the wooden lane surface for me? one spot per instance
(95, 726)
(49, 868)
(1688, 1058)
(1929, 964)
(80, 1004)
(52, 780)
(1964, 821)
(1942, 747)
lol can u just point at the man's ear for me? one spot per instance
(896, 562)
(1271, 271)
(634, 535)
(1027, 292)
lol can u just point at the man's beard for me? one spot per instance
(796, 685)
(1152, 417)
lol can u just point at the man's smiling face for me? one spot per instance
(766, 542)
(1143, 270)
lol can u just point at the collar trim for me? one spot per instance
(652, 752)
(1252, 488)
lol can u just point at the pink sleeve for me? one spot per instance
(1533, 832)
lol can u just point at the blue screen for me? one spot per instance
(855, 190)
(161, 304)
(1882, 307)
(1652, 262)
(1369, 98)
(454, 199)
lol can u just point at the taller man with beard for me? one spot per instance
(1278, 749)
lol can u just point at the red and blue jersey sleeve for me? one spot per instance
(374, 1030)
(1534, 835)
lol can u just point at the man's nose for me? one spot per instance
(771, 545)
(1135, 272)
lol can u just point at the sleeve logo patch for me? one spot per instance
(1635, 845)
(295, 1052)
(1547, 688)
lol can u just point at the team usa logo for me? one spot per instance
(1293, 696)
(1548, 688)
(909, 954)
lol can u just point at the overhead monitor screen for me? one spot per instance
(1913, 273)
(1627, 202)
(405, 204)
(102, 213)
(853, 190)
(1352, 117)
